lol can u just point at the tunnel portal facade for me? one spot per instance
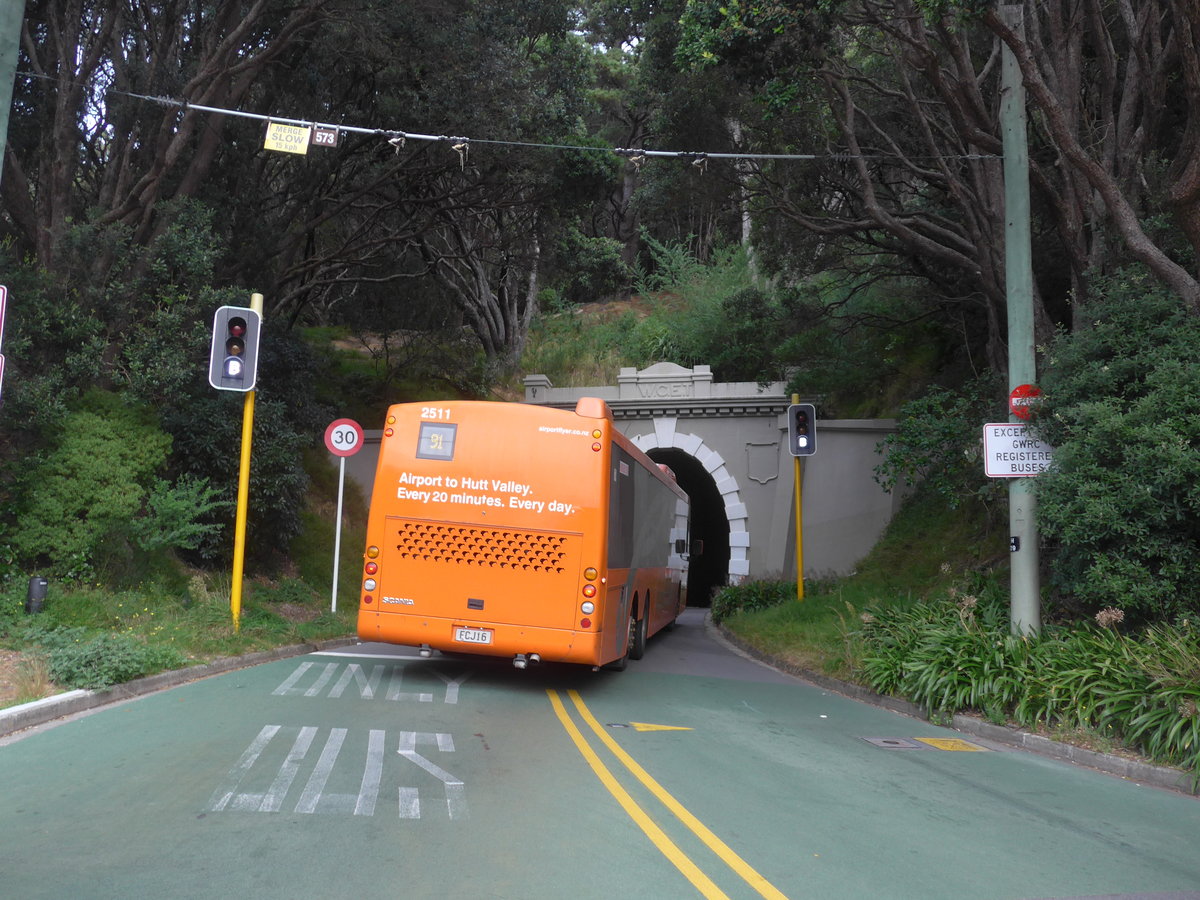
(726, 443)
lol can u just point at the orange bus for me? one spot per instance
(521, 531)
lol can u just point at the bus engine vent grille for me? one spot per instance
(472, 545)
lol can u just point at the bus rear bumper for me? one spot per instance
(483, 638)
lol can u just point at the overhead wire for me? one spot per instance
(397, 137)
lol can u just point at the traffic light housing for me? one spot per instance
(233, 357)
(802, 429)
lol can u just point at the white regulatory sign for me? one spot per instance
(1012, 451)
(344, 437)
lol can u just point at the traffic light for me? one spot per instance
(802, 429)
(233, 358)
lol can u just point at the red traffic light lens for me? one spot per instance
(237, 326)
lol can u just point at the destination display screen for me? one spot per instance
(436, 441)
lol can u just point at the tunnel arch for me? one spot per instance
(708, 569)
(718, 512)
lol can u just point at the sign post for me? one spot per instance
(1025, 591)
(343, 437)
(802, 441)
(243, 495)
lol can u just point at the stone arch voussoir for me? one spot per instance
(667, 436)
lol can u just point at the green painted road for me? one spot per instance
(369, 773)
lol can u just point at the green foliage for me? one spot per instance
(90, 485)
(752, 36)
(673, 265)
(172, 511)
(593, 267)
(95, 661)
(937, 442)
(750, 596)
(208, 435)
(946, 657)
(1121, 504)
(842, 344)
(98, 480)
(96, 495)
(958, 654)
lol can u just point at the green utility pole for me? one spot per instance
(12, 13)
(1025, 608)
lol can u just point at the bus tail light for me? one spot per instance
(371, 568)
(589, 590)
(588, 607)
(585, 623)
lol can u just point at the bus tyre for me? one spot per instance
(618, 665)
(637, 639)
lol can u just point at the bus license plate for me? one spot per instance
(473, 635)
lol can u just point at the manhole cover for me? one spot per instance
(888, 743)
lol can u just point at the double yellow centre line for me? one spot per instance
(665, 845)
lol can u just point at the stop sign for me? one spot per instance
(1022, 400)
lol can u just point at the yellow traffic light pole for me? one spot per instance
(798, 475)
(243, 496)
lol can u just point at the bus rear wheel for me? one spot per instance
(637, 638)
(618, 665)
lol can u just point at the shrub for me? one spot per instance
(949, 656)
(89, 486)
(937, 442)
(1121, 504)
(749, 597)
(592, 266)
(95, 494)
(82, 659)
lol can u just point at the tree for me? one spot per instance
(908, 135)
(76, 146)
(1114, 83)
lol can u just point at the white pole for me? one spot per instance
(337, 539)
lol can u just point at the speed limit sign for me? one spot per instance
(344, 437)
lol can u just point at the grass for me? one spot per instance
(927, 550)
(926, 618)
(168, 616)
(31, 679)
(85, 629)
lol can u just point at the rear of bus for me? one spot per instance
(487, 532)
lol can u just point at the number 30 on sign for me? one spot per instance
(344, 437)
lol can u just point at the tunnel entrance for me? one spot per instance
(708, 570)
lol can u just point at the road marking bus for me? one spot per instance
(520, 531)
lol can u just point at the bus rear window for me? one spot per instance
(436, 441)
